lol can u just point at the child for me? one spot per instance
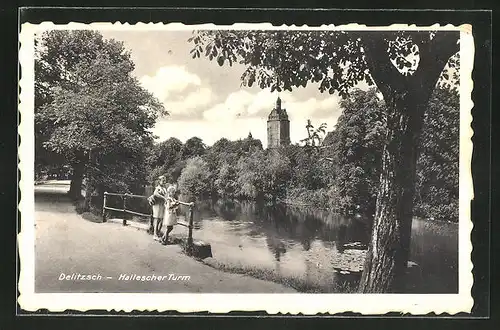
(170, 218)
(158, 201)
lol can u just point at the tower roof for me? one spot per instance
(278, 113)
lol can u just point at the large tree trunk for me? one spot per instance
(75, 190)
(90, 185)
(406, 99)
(390, 241)
(88, 199)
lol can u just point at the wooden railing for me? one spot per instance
(124, 209)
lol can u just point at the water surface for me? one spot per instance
(302, 243)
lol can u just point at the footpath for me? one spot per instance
(112, 258)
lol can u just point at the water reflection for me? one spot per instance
(303, 243)
(341, 238)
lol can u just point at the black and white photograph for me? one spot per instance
(300, 164)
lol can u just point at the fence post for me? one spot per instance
(190, 230)
(124, 209)
(104, 207)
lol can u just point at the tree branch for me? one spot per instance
(434, 54)
(377, 59)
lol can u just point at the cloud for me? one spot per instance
(243, 111)
(243, 104)
(234, 106)
(181, 92)
(191, 105)
(169, 80)
(314, 108)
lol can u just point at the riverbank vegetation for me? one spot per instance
(298, 283)
(340, 174)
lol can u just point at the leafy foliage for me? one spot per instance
(438, 164)
(163, 157)
(314, 136)
(251, 176)
(277, 173)
(193, 147)
(225, 182)
(195, 178)
(282, 60)
(335, 60)
(358, 145)
(90, 109)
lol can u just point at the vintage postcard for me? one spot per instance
(252, 167)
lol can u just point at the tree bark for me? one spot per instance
(90, 183)
(75, 190)
(389, 248)
(88, 199)
(406, 98)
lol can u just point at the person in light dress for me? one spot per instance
(158, 200)
(170, 217)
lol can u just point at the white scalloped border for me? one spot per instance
(306, 304)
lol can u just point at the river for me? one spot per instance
(299, 244)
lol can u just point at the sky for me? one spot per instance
(208, 101)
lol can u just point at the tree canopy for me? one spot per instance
(91, 109)
(336, 60)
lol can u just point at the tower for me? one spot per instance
(278, 127)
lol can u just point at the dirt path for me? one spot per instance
(67, 244)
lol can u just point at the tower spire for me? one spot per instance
(278, 103)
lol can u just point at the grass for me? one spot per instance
(91, 217)
(268, 275)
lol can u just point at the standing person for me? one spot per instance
(171, 206)
(159, 199)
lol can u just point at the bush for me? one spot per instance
(195, 178)
(301, 196)
(225, 184)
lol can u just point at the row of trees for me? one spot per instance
(342, 173)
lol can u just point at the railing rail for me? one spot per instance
(124, 209)
(129, 195)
